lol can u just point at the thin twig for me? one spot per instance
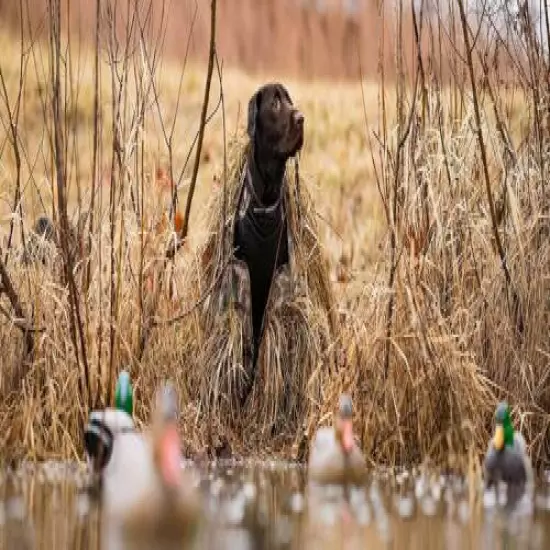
(9, 290)
(95, 149)
(212, 51)
(483, 152)
(13, 115)
(224, 134)
(196, 304)
(180, 239)
(55, 51)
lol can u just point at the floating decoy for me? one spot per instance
(507, 459)
(104, 425)
(147, 498)
(335, 457)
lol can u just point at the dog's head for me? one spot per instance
(275, 126)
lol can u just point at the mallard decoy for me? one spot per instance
(507, 459)
(104, 425)
(335, 458)
(147, 499)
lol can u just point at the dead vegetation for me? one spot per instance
(422, 232)
(296, 348)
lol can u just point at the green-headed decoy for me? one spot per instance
(104, 425)
(147, 498)
(506, 459)
(124, 394)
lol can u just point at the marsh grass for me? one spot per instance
(300, 323)
(407, 305)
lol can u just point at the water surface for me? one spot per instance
(252, 505)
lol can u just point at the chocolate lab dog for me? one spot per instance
(276, 132)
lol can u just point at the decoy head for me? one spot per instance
(104, 425)
(504, 431)
(166, 441)
(124, 395)
(344, 427)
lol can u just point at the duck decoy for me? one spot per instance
(335, 457)
(165, 507)
(103, 425)
(147, 498)
(507, 459)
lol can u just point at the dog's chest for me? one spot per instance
(261, 240)
(261, 235)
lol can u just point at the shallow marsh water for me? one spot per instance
(253, 505)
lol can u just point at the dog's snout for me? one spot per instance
(298, 118)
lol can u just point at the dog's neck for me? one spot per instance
(267, 176)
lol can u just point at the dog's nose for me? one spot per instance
(298, 118)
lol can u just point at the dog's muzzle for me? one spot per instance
(298, 119)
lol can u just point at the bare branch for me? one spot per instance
(483, 153)
(212, 51)
(59, 154)
(9, 290)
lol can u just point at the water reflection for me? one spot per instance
(251, 505)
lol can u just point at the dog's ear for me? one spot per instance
(286, 94)
(253, 108)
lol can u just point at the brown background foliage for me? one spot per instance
(290, 37)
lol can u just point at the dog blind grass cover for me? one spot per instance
(300, 325)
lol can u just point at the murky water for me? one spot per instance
(255, 505)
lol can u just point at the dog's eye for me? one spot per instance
(276, 103)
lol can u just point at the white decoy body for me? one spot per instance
(147, 500)
(335, 458)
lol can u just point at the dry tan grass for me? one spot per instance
(300, 324)
(426, 393)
